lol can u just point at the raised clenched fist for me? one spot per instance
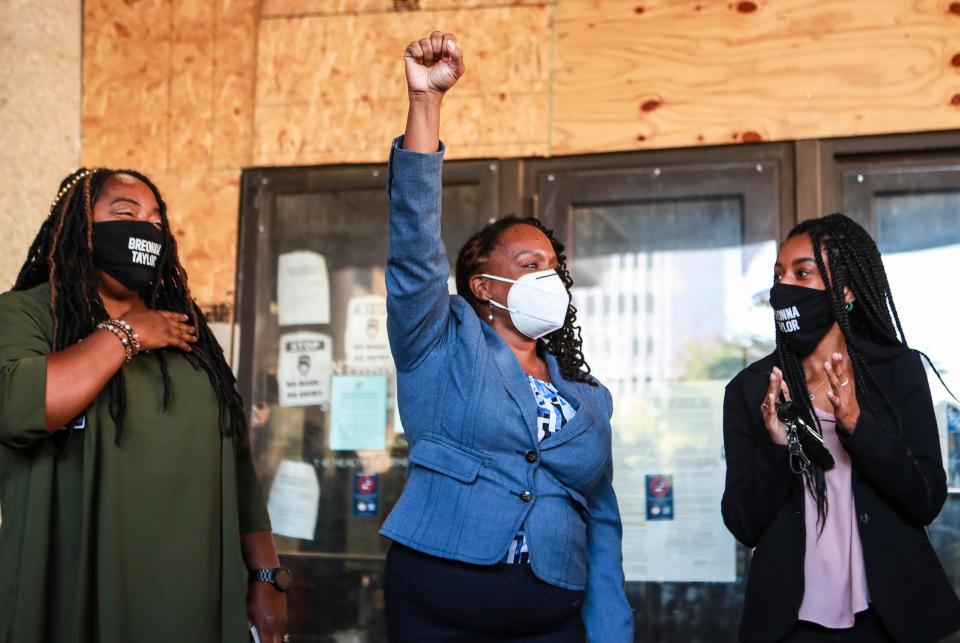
(434, 64)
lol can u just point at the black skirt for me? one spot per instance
(438, 600)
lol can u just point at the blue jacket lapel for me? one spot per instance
(514, 379)
(571, 392)
(518, 387)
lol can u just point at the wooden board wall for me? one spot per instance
(192, 91)
(671, 73)
(169, 90)
(330, 89)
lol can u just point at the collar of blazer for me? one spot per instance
(517, 385)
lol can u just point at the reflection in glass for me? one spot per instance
(338, 562)
(672, 304)
(919, 236)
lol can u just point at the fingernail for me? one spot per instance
(837, 356)
(773, 377)
(827, 366)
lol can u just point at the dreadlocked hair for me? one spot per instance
(565, 344)
(854, 263)
(62, 255)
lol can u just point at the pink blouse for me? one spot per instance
(835, 587)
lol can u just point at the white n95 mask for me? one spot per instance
(537, 302)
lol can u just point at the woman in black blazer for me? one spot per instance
(834, 489)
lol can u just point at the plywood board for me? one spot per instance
(203, 210)
(335, 7)
(235, 75)
(337, 83)
(126, 61)
(191, 84)
(665, 73)
(472, 127)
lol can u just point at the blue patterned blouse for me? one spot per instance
(553, 412)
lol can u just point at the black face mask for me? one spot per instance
(128, 251)
(803, 316)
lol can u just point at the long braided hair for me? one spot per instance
(854, 263)
(565, 344)
(62, 255)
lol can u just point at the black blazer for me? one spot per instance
(898, 490)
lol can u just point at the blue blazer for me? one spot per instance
(477, 470)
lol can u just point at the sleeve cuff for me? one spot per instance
(23, 392)
(862, 434)
(397, 147)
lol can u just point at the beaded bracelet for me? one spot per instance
(128, 329)
(130, 347)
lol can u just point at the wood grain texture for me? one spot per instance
(126, 88)
(665, 73)
(192, 91)
(191, 84)
(331, 89)
(203, 216)
(169, 90)
(235, 75)
(336, 7)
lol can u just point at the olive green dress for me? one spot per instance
(118, 544)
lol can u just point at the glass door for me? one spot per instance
(315, 369)
(672, 263)
(912, 207)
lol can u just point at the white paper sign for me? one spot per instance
(303, 369)
(294, 500)
(367, 346)
(303, 289)
(673, 431)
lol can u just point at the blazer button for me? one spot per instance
(864, 517)
(526, 496)
(531, 456)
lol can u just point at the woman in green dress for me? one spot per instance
(130, 507)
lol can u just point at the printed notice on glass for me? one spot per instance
(294, 500)
(669, 476)
(303, 369)
(366, 343)
(358, 413)
(303, 289)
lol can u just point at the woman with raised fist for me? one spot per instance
(508, 528)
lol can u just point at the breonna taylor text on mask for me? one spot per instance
(787, 319)
(144, 252)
